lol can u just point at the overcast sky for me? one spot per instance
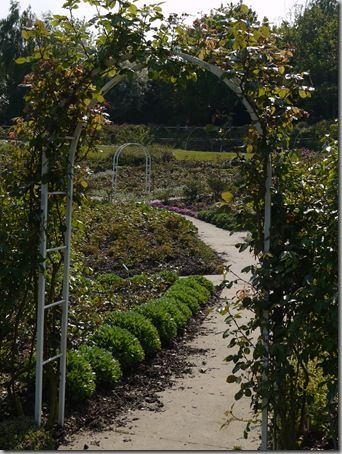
(275, 10)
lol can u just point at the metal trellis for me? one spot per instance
(148, 166)
(66, 249)
(42, 307)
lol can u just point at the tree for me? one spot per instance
(12, 46)
(314, 36)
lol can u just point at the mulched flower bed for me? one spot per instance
(138, 390)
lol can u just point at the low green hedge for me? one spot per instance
(186, 311)
(161, 319)
(180, 293)
(222, 220)
(127, 337)
(192, 287)
(204, 282)
(107, 369)
(140, 326)
(125, 347)
(170, 306)
(80, 378)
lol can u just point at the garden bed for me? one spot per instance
(138, 390)
(128, 238)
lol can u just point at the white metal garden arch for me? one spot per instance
(65, 249)
(148, 165)
(233, 84)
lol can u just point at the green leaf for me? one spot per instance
(21, 60)
(227, 196)
(244, 9)
(25, 34)
(98, 97)
(133, 9)
(202, 54)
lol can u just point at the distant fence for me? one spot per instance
(200, 138)
(216, 138)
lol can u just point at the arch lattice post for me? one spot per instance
(233, 84)
(148, 166)
(66, 248)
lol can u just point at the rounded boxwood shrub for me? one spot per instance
(125, 347)
(107, 369)
(80, 378)
(161, 319)
(140, 326)
(179, 293)
(170, 305)
(194, 288)
(204, 282)
(183, 308)
(22, 434)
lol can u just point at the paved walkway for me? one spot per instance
(194, 408)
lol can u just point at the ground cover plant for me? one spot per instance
(127, 238)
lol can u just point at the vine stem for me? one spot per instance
(265, 312)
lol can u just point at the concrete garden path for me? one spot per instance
(194, 408)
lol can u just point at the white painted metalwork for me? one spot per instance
(66, 249)
(63, 303)
(41, 295)
(233, 84)
(148, 166)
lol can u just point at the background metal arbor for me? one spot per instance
(148, 166)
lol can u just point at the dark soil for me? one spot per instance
(138, 390)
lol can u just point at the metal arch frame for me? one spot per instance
(66, 248)
(233, 84)
(148, 165)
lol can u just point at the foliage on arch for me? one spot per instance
(70, 65)
(290, 274)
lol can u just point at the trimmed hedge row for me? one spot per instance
(126, 338)
(139, 326)
(223, 220)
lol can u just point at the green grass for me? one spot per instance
(103, 151)
(182, 155)
(178, 153)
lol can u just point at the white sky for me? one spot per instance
(275, 10)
